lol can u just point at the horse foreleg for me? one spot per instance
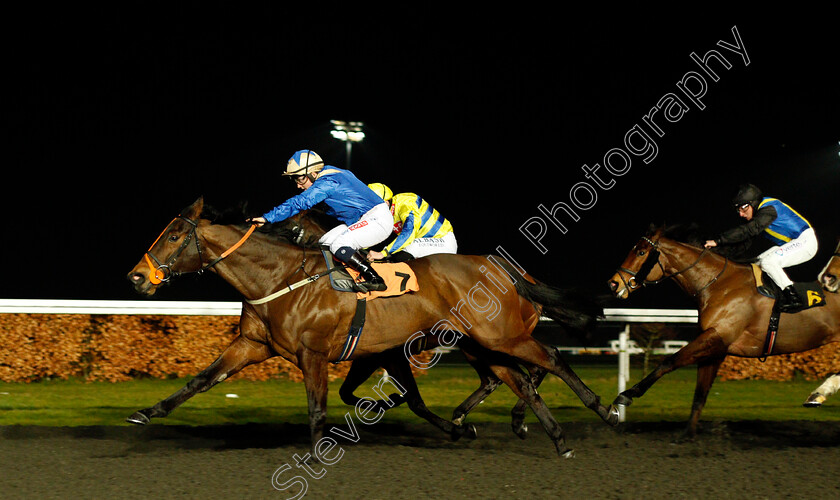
(707, 345)
(400, 373)
(706, 374)
(314, 367)
(361, 370)
(239, 354)
(821, 393)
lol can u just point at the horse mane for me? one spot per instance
(691, 234)
(313, 222)
(685, 233)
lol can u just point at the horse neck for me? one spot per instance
(259, 265)
(696, 271)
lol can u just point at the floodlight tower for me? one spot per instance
(348, 132)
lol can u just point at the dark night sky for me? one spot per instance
(122, 116)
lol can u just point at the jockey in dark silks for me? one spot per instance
(793, 236)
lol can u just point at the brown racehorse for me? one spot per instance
(829, 278)
(309, 325)
(733, 316)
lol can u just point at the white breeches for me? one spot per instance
(422, 247)
(796, 251)
(372, 228)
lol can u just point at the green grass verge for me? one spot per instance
(76, 403)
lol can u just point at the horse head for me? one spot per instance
(174, 251)
(640, 266)
(829, 277)
(669, 252)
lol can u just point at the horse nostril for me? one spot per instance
(613, 285)
(136, 278)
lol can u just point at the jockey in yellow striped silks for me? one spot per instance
(421, 230)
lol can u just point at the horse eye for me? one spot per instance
(173, 238)
(640, 253)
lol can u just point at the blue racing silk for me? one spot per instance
(788, 224)
(347, 198)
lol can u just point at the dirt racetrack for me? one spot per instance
(752, 459)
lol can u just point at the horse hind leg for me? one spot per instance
(488, 383)
(517, 413)
(522, 387)
(821, 393)
(531, 352)
(239, 354)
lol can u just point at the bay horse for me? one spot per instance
(829, 278)
(309, 325)
(733, 316)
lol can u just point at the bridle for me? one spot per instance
(163, 272)
(652, 260)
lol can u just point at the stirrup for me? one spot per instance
(791, 302)
(372, 281)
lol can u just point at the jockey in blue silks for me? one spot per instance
(794, 237)
(366, 218)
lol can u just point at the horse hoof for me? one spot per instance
(613, 416)
(471, 432)
(568, 454)
(814, 401)
(396, 400)
(460, 431)
(622, 400)
(138, 418)
(521, 431)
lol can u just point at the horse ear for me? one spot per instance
(194, 211)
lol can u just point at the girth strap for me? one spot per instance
(772, 330)
(355, 332)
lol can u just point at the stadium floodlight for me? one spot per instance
(347, 132)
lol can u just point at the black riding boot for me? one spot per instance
(373, 282)
(792, 302)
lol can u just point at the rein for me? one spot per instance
(163, 272)
(293, 286)
(653, 259)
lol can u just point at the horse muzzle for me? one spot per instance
(141, 283)
(619, 287)
(830, 282)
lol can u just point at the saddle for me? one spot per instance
(810, 292)
(399, 277)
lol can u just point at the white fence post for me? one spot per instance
(623, 366)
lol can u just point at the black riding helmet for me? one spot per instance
(747, 194)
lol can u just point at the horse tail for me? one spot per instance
(572, 309)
